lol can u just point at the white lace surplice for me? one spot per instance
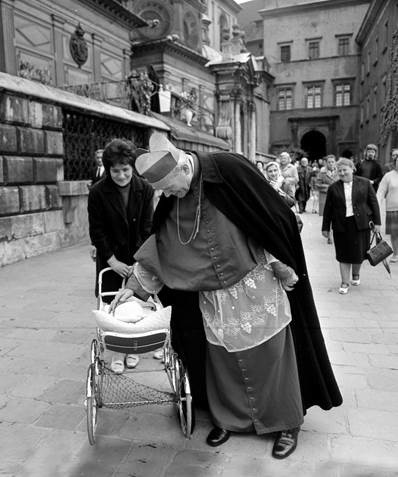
(248, 313)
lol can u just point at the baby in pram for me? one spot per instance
(132, 317)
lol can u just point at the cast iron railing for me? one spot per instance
(84, 134)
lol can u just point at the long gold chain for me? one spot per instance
(196, 223)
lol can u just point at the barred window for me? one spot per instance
(285, 99)
(313, 97)
(313, 50)
(343, 94)
(285, 53)
(343, 46)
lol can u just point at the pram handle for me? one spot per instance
(114, 293)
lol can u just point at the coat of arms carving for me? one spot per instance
(78, 46)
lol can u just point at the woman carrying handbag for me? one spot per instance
(350, 205)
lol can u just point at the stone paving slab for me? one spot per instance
(46, 327)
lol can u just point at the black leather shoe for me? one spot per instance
(285, 443)
(217, 436)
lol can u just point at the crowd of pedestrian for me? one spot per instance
(225, 252)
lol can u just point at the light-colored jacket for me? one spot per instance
(388, 190)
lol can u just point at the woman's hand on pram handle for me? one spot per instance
(119, 267)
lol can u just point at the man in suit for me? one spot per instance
(99, 171)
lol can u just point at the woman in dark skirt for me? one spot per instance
(350, 205)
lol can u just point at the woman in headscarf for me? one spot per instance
(284, 188)
(327, 175)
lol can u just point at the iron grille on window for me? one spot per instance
(84, 134)
(313, 50)
(344, 46)
(285, 53)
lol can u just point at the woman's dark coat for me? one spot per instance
(364, 205)
(239, 190)
(115, 230)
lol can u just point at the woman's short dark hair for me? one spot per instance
(118, 151)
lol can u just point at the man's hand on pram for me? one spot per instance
(121, 297)
(132, 287)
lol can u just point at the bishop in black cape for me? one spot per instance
(239, 191)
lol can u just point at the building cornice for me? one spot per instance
(198, 5)
(115, 10)
(232, 5)
(166, 45)
(266, 13)
(370, 19)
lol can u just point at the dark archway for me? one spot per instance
(314, 144)
(347, 153)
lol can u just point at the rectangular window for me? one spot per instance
(313, 97)
(368, 63)
(313, 49)
(285, 99)
(343, 47)
(285, 53)
(343, 94)
(362, 72)
(361, 115)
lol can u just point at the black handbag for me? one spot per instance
(380, 251)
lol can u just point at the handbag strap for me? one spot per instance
(375, 235)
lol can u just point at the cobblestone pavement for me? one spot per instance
(46, 330)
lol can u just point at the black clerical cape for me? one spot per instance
(239, 191)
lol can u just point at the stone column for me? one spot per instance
(8, 57)
(201, 105)
(97, 42)
(126, 63)
(253, 133)
(237, 127)
(58, 46)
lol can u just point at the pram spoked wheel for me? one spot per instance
(91, 404)
(184, 399)
(179, 382)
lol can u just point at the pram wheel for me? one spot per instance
(91, 402)
(184, 399)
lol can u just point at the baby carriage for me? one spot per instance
(105, 389)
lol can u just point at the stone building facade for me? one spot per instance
(313, 56)
(64, 42)
(117, 55)
(378, 73)
(40, 211)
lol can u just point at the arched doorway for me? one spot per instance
(314, 144)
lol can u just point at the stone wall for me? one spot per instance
(39, 210)
(32, 205)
